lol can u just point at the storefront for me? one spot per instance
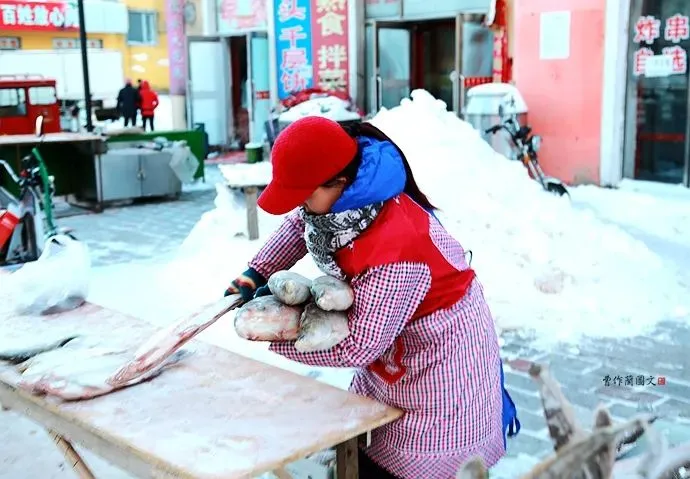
(443, 46)
(657, 132)
(612, 109)
(229, 73)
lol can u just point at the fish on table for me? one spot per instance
(91, 366)
(15, 351)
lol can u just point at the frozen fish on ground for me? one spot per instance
(331, 294)
(321, 330)
(268, 319)
(290, 288)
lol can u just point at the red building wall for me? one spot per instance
(564, 96)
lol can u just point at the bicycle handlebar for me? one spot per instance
(10, 171)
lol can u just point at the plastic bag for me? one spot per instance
(58, 281)
(183, 163)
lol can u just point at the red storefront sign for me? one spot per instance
(329, 39)
(38, 16)
(242, 14)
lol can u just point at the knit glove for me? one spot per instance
(246, 284)
(263, 291)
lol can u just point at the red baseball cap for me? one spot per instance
(306, 154)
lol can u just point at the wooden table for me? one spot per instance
(248, 177)
(215, 415)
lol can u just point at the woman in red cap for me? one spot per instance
(421, 334)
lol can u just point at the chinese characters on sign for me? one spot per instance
(631, 380)
(241, 14)
(293, 42)
(330, 44)
(646, 29)
(36, 16)
(676, 28)
(673, 59)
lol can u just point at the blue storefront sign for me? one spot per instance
(293, 46)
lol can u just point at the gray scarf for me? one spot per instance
(326, 234)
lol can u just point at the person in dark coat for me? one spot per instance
(128, 102)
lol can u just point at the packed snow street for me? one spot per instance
(596, 285)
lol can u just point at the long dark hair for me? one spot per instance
(350, 171)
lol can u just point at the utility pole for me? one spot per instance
(85, 65)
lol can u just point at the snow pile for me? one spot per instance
(329, 107)
(545, 265)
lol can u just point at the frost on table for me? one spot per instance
(248, 177)
(247, 174)
(249, 418)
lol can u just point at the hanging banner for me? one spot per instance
(177, 50)
(330, 44)
(293, 37)
(38, 16)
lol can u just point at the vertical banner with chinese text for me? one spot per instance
(293, 46)
(330, 44)
(177, 49)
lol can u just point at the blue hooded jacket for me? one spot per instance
(381, 176)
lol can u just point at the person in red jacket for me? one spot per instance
(421, 333)
(148, 104)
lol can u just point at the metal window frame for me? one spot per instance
(17, 39)
(144, 14)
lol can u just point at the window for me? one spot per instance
(74, 43)
(12, 102)
(143, 28)
(10, 43)
(478, 50)
(42, 95)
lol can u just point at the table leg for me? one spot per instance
(72, 456)
(251, 194)
(347, 459)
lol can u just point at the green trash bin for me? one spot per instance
(255, 152)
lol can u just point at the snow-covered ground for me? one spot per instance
(562, 270)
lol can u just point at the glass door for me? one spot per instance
(258, 88)
(392, 48)
(434, 59)
(657, 93)
(456, 77)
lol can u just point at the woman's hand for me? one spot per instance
(247, 285)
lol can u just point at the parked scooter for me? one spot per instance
(527, 146)
(26, 220)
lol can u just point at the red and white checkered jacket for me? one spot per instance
(449, 389)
